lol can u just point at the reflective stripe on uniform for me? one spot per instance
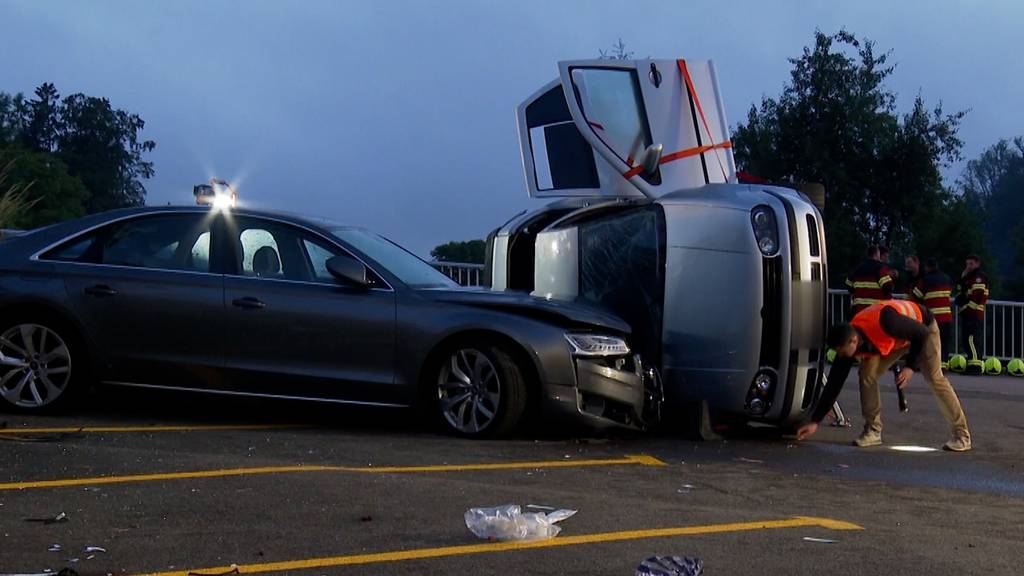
(863, 301)
(936, 294)
(945, 310)
(865, 284)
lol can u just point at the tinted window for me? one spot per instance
(81, 250)
(166, 242)
(267, 249)
(408, 268)
(318, 257)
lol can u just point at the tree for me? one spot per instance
(617, 52)
(93, 142)
(46, 187)
(993, 186)
(471, 252)
(101, 146)
(836, 123)
(14, 199)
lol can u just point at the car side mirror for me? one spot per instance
(651, 159)
(348, 271)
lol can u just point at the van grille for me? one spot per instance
(771, 312)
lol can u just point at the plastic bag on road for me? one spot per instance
(670, 566)
(510, 523)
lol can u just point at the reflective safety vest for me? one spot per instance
(869, 321)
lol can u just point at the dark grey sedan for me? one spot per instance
(241, 302)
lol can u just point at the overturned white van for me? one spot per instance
(724, 284)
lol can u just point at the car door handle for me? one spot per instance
(100, 290)
(249, 303)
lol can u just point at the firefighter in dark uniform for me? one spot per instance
(935, 290)
(870, 282)
(971, 297)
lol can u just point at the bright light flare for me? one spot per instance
(223, 201)
(913, 449)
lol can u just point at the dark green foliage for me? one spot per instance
(55, 195)
(993, 186)
(80, 154)
(471, 252)
(836, 123)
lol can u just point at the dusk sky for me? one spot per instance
(399, 116)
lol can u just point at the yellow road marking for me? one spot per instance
(627, 460)
(98, 429)
(425, 553)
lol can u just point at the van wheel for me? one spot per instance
(39, 363)
(480, 391)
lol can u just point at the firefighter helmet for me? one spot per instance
(1015, 367)
(958, 363)
(993, 367)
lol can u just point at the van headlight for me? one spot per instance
(766, 230)
(595, 345)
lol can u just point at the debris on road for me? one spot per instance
(670, 566)
(92, 549)
(54, 548)
(58, 519)
(509, 523)
(749, 460)
(686, 489)
(819, 540)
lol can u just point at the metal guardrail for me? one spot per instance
(1004, 320)
(1003, 334)
(463, 273)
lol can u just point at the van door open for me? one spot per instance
(590, 132)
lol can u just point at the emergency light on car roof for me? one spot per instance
(218, 194)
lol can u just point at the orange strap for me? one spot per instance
(681, 154)
(634, 170)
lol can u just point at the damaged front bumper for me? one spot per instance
(612, 392)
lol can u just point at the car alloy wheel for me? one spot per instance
(469, 391)
(35, 366)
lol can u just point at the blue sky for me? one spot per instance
(399, 115)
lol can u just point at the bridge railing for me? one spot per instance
(1003, 334)
(1003, 331)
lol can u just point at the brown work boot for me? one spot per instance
(959, 443)
(870, 438)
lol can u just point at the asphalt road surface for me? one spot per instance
(168, 484)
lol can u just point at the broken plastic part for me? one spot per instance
(670, 566)
(91, 549)
(819, 540)
(509, 523)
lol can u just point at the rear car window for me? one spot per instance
(165, 242)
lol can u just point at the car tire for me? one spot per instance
(42, 364)
(479, 390)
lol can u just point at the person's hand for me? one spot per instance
(903, 378)
(807, 430)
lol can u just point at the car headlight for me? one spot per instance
(595, 345)
(766, 230)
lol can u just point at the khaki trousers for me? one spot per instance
(874, 367)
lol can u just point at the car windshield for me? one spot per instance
(412, 271)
